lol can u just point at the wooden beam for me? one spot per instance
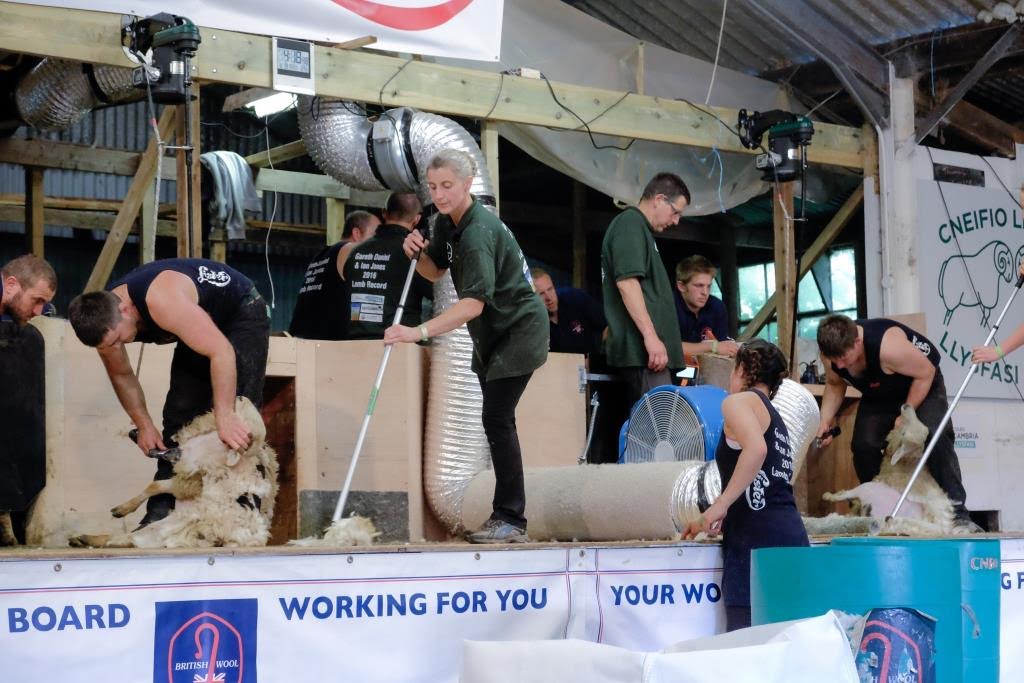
(276, 155)
(579, 235)
(147, 230)
(489, 148)
(35, 202)
(640, 73)
(926, 124)
(79, 220)
(76, 204)
(245, 59)
(72, 157)
(813, 253)
(294, 182)
(130, 207)
(245, 97)
(356, 43)
(786, 281)
(335, 220)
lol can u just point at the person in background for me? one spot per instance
(756, 508)
(221, 327)
(703, 320)
(376, 269)
(322, 307)
(27, 286)
(505, 318)
(891, 364)
(576, 320)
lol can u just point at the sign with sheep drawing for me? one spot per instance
(969, 260)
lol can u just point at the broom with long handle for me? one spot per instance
(343, 498)
(937, 432)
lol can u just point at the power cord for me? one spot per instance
(270, 226)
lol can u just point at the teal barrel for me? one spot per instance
(795, 583)
(979, 598)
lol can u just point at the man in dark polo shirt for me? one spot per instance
(376, 269)
(643, 333)
(321, 310)
(703, 320)
(576, 320)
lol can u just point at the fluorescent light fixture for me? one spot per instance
(272, 104)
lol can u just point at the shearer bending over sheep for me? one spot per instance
(222, 328)
(891, 365)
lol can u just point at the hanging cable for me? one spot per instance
(270, 226)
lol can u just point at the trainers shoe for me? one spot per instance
(497, 531)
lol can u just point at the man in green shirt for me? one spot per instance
(505, 317)
(643, 335)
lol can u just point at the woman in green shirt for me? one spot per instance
(506, 320)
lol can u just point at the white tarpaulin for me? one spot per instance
(569, 46)
(468, 29)
(808, 650)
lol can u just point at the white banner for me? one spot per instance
(464, 29)
(968, 270)
(363, 617)
(1011, 611)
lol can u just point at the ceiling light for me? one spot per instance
(272, 104)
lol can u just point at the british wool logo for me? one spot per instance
(205, 641)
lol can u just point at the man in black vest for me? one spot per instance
(891, 364)
(222, 329)
(321, 310)
(375, 271)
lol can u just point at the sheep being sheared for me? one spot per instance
(223, 497)
(927, 509)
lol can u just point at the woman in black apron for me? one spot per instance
(755, 459)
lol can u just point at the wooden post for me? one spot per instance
(149, 163)
(785, 265)
(489, 147)
(639, 68)
(335, 219)
(147, 230)
(197, 174)
(218, 245)
(730, 279)
(189, 245)
(34, 204)
(579, 235)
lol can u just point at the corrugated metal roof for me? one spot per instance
(752, 45)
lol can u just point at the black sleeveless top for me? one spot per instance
(375, 271)
(321, 310)
(765, 516)
(875, 384)
(221, 291)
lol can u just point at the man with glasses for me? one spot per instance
(643, 334)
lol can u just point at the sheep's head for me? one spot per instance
(908, 439)
(1004, 261)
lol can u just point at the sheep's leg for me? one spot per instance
(131, 505)
(7, 536)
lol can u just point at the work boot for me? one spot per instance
(497, 531)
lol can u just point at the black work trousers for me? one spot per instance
(191, 391)
(616, 401)
(501, 396)
(876, 419)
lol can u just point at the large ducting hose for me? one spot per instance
(57, 93)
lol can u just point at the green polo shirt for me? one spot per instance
(510, 336)
(629, 251)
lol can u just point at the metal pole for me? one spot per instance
(937, 433)
(343, 498)
(188, 156)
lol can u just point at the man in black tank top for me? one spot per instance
(891, 364)
(222, 329)
(321, 310)
(375, 271)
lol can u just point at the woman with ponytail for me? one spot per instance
(755, 460)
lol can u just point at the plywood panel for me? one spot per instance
(552, 414)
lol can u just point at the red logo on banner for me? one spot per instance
(405, 18)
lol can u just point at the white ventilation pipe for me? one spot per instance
(57, 93)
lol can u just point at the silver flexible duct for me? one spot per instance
(56, 93)
(335, 134)
(799, 410)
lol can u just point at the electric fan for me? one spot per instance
(673, 424)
